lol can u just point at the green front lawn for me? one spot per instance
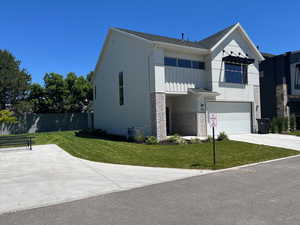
(229, 153)
(297, 133)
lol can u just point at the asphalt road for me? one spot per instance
(258, 195)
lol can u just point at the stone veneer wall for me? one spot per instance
(257, 108)
(158, 115)
(201, 124)
(281, 101)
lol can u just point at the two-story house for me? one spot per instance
(280, 85)
(164, 85)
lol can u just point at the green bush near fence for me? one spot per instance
(279, 125)
(293, 122)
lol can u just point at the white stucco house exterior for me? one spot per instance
(163, 85)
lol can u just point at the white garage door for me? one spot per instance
(233, 117)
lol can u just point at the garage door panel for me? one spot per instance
(233, 118)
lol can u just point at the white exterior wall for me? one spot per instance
(237, 92)
(132, 56)
(233, 92)
(179, 80)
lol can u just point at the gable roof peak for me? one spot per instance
(212, 40)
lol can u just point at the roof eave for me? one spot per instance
(181, 47)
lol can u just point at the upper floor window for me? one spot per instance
(184, 63)
(121, 88)
(236, 73)
(170, 61)
(198, 65)
(95, 92)
(297, 76)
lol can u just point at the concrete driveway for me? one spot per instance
(48, 175)
(264, 194)
(276, 140)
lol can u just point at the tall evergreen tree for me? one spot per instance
(14, 81)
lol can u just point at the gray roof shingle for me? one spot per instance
(152, 37)
(210, 41)
(206, 43)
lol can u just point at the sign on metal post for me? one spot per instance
(212, 120)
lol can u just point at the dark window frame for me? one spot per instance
(121, 88)
(184, 63)
(170, 61)
(198, 65)
(297, 77)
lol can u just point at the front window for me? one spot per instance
(297, 77)
(236, 73)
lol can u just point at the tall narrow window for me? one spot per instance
(95, 92)
(121, 88)
(297, 76)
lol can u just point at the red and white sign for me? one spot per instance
(212, 119)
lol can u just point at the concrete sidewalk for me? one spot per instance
(276, 140)
(48, 175)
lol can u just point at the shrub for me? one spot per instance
(7, 116)
(209, 139)
(274, 125)
(285, 124)
(293, 122)
(222, 136)
(176, 139)
(151, 140)
(195, 141)
(139, 137)
(279, 124)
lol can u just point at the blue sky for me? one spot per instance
(67, 36)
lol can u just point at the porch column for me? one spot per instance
(158, 114)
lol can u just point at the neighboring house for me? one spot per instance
(163, 85)
(280, 85)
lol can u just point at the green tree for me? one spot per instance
(90, 76)
(59, 94)
(80, 90)
(37, 99)
(14, 81)
(7, 116)
(56, 93)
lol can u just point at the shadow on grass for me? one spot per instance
(102, 137)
